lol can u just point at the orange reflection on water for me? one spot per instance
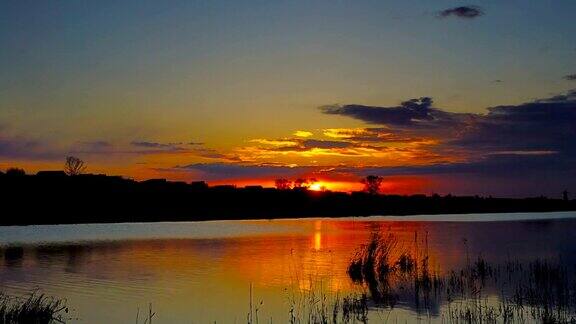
(273, 256)
(317, 235)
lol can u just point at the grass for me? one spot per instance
(36, 308)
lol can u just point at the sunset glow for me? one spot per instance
(215, 95)
(317, 186)
(225, 161)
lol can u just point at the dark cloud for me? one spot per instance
(220, 171)
(411, 114)
(408, 113)
(312, 143)
(466, 12)
(16, 148)
(546, 125)
(534, 140)
(570, 77)
(175, 147)
(210, 153)
(542, 126)
(154, 144)
(501, 166)
(149, 148)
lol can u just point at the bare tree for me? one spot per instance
(372, 184)
(74, 166)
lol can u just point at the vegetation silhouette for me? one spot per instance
(54, 197)
(34, 308)
(372, 184)
(539, 290)
(15, 172)
(283, 184)
(74, 166)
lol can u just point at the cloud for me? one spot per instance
(570, 77)
(533, 140)
(155, 144)
(194, 148)
(312, 143)
(150, 148)
(21, 148)
(93, 147)
(465, 12)
(543, 125)
(411, 115)
(408, 113)
(546, 125)
(219, 171)
(301, 133)
(299, 144)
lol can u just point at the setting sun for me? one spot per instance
(317, 186)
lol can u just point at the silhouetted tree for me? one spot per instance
(283, 184)
(74, 166)
(372, 184)
(15, 172)
(300, 183)
(565, 195)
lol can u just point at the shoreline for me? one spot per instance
(446, 218)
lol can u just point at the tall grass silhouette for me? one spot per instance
(540, 290)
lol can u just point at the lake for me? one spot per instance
(206, 272)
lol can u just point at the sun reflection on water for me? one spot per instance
(318, 235)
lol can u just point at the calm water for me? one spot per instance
(202, 272)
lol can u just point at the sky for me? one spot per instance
(435, 96)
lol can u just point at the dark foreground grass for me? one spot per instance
(36, 308)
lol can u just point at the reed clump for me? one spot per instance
(316, 306)
(540, 290)
(36, 308)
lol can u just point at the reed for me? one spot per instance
(541, 290)
(36, 308)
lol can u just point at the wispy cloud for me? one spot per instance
(465, 12)
(17, 148)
